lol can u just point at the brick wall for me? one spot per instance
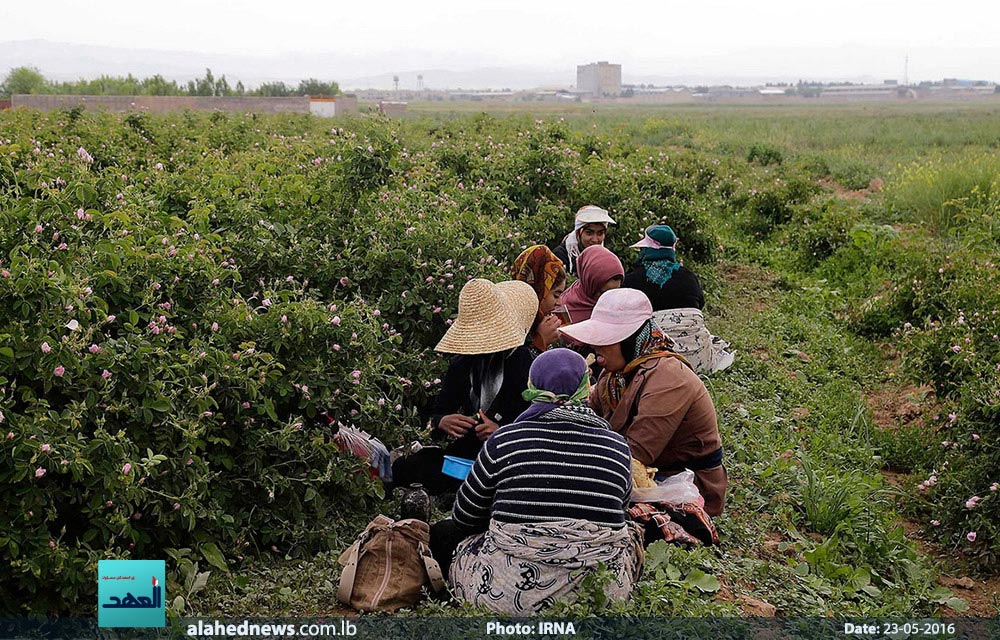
(164, 104)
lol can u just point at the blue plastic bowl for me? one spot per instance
(456, 467)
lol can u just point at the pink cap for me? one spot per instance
(647, 242)
(618, 314)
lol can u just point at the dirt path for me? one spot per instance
(894, 405)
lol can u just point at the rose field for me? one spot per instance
(181, 295)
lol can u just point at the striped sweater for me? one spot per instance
(563, 464)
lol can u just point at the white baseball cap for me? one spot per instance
(592, 213)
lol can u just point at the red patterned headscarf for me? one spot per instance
(540, 268)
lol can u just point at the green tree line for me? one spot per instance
(27, 80)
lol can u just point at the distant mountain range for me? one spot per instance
(66, 61)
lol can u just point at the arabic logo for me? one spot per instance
(142, 602)
(130, 593)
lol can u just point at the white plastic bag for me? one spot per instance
(678, 489)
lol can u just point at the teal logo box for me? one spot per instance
(130, 593)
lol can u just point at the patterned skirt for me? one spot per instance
(686, 327)
(517, 569)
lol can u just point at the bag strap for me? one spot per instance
(432, 567)
(353, 554)
(346, 587)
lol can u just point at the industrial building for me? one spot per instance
(599, 79)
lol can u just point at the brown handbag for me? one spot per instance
(388, 566)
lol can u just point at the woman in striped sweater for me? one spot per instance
(547, 497)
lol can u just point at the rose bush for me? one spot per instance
(180, 295)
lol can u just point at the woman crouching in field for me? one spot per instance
(677, 298)
(547, 498)
(482, 388)
(651, 395)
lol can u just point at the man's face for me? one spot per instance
(592, 233)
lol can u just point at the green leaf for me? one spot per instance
(7, 353)
(957, 604)
(214, 556)
(199, 582)
(269, 408)
(702, 581)
(178, 604)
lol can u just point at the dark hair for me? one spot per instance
(629, 345)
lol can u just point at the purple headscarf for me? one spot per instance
(561, 373)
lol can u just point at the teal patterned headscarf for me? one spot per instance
(659, 261)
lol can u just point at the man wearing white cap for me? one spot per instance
(589, 228)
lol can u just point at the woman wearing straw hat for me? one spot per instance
(482, 388)
(547, 497)
(677, 298)
(590, 227)
(651, 395)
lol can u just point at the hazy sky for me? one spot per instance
(779, 37)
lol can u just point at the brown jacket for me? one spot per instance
(667, 417)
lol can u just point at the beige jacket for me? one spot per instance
(667, 417)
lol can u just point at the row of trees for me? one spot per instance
(28, 80)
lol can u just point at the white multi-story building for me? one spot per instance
(599, 79)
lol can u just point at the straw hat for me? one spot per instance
(488, 321)
(523, 298)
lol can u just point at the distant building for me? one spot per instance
(599, 79)
(392, 108)
(340, 106)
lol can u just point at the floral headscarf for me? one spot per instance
(540, 268)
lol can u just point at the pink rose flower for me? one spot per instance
(105, 374)
(972, 502)
(46, 348)
(59, 371)
(126, 468)
(39, 472)
(971, 536)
